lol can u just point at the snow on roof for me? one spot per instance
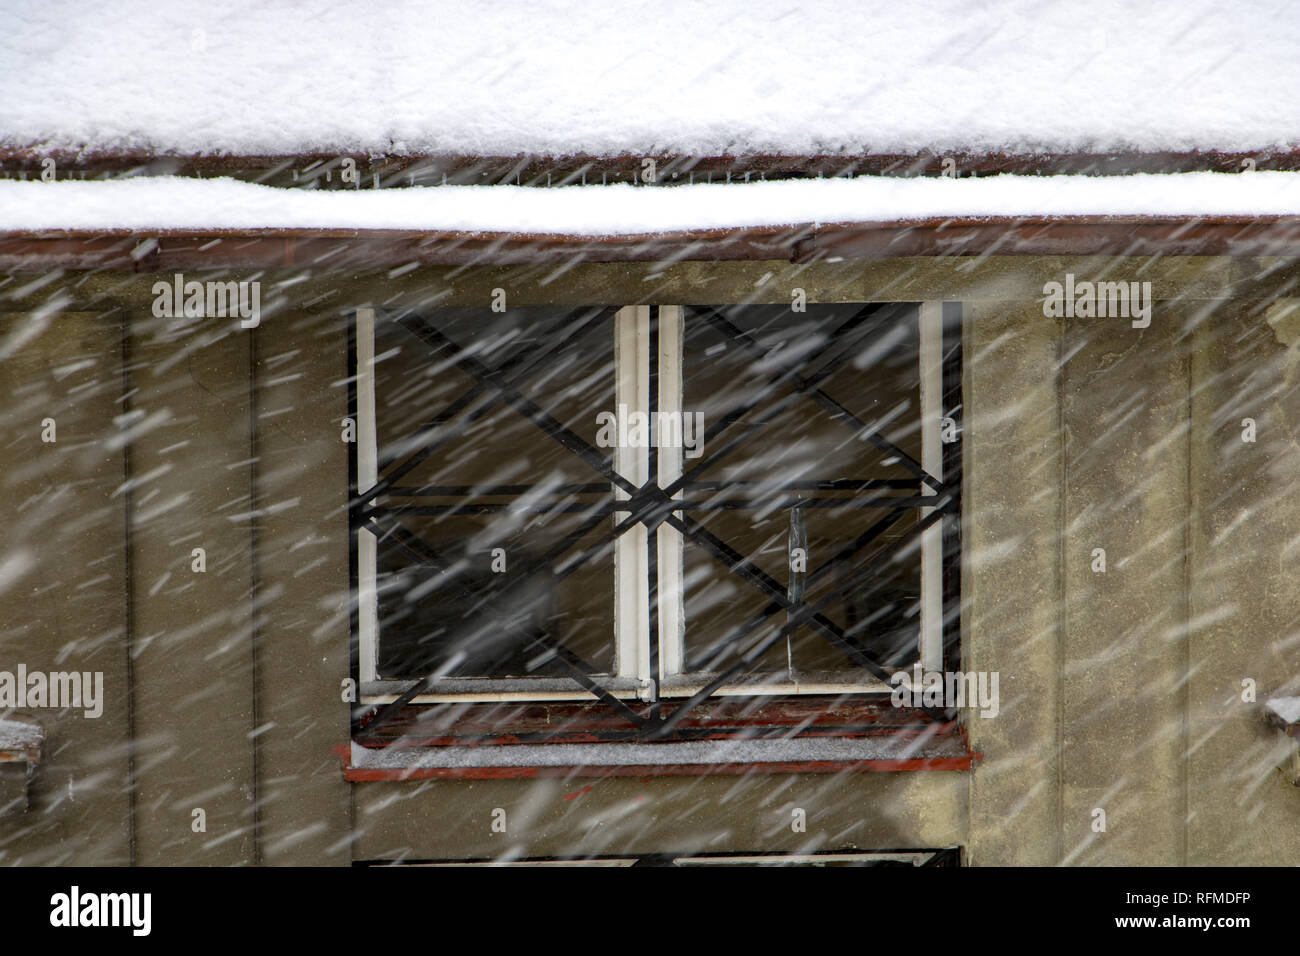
(176, 203)
(730, 76)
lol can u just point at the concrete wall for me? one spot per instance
(1121, 691)
(1012, 583)
(217, 742)
(1242, 603)
(65, 576)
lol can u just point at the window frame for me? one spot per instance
(939, 355)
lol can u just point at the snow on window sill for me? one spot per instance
(907, 743)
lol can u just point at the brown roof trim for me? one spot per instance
(1070, 235)
(161, 251)
(324, 170)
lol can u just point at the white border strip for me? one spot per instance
(367, 451)
(930, 317)
(631, 575)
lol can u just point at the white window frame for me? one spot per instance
(632, 670)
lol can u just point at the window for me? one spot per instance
(630, 512)
(946, 858)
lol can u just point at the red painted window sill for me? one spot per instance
(726, 736)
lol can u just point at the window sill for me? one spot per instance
(648, 760)
(786, 737)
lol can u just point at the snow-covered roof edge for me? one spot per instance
(149, 204)
(149, 224)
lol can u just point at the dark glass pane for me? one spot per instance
(819, 383)
(497, 484)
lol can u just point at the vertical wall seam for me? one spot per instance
(128, 571)
(255, 589)
(1186, 692)
(1061, 597)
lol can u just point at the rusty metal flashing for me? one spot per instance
(350, 249)
(325, 170)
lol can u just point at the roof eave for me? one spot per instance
(166, 250)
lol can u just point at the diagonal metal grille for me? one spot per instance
(500, 385)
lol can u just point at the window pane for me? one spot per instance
(819, 384)
(496, 489)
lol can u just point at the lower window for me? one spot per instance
(947, 858)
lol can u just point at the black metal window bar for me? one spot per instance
(497, 383)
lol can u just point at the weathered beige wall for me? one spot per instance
(1124, 398)
(1243, 603)
(64, 559)
(302, 546)
(451, 819)
(194, 673)
(1120, 691)
(1012, 472)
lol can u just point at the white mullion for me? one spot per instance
(631, 573)
(367, 451)
(930, 318)
(672, 618)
